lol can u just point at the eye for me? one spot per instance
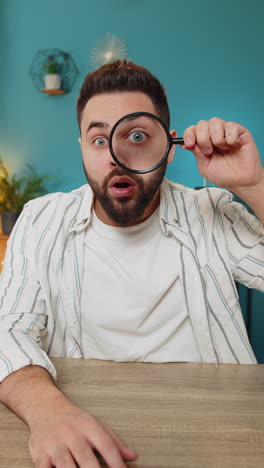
(101, 141)
(137, 137)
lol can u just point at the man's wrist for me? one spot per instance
(31, 393)
(250, 193)
(253, 196)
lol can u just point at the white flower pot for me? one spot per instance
(52, 81)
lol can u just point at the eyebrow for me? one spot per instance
(97, 125)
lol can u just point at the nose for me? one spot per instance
(121, 157)
(112, 161)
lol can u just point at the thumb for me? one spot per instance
(202, 159)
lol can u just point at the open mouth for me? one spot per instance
(122, 186)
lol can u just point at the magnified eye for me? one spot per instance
(137, 137)
(101, 141)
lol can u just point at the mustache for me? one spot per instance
(121, 172)
(117, 171)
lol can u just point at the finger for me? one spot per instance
(232, 133)
(83, 454)
(63, 460)
(189, 137)
(126, 452)
(203, 137)
(217, 133)
(42, 462)
(106, 446)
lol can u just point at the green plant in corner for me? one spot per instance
(16, 191)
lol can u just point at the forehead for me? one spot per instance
(110, 107)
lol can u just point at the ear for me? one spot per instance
(173, 148)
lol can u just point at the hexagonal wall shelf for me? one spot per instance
(53, 71)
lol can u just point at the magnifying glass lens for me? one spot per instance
(139, 142)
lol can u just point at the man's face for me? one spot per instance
(121, 198)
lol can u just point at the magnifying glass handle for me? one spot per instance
(178, 141)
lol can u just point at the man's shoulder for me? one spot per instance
(200, 193)
(60, 197)
(78, 200)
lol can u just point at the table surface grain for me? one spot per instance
(174, 415)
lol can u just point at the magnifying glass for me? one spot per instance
(140, 142)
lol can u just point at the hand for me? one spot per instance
(66, 438)
(226, 154)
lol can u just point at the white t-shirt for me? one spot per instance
(133, 306)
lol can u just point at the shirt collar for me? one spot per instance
(84, 214)
(168, 209)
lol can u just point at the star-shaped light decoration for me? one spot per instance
(107, 50)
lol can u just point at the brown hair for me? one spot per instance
(123, 75)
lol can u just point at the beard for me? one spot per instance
(127, 211)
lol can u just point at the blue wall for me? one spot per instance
(207, 53)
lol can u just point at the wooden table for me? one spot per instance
(173, 415)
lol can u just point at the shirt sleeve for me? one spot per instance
(23, 316)
(245, 242)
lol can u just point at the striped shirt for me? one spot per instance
(41, 281)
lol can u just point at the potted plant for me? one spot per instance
(52, 78)
(15, 192)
